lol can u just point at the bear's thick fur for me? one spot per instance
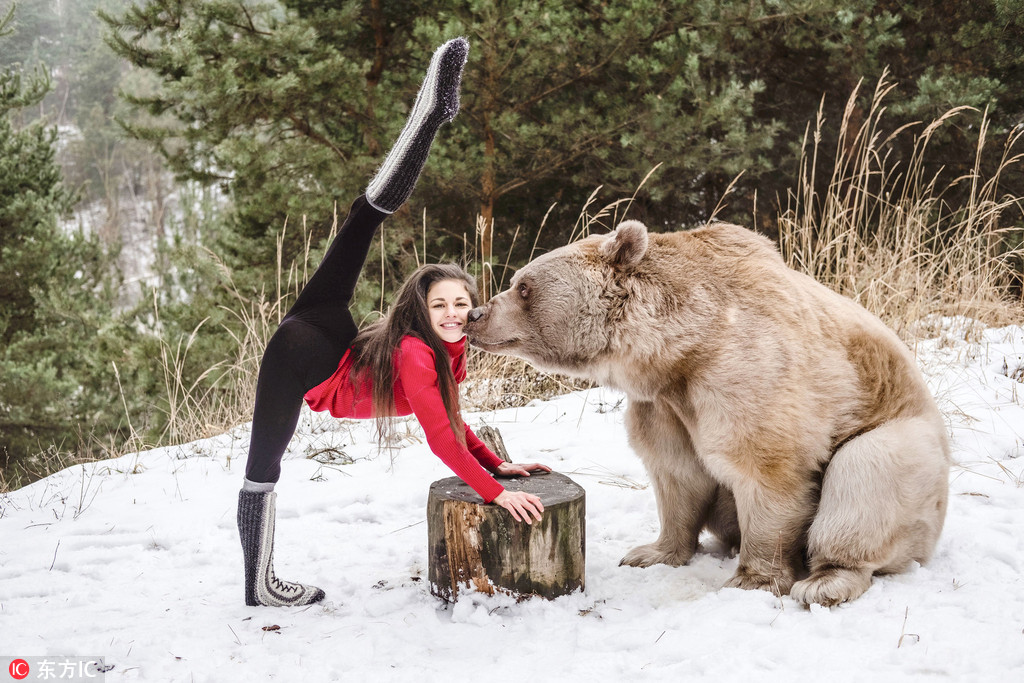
(779, 415)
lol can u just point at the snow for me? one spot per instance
(137, 559)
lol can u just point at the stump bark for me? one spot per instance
(478, 547)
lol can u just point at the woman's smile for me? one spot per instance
(449, 304)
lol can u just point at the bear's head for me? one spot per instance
(564, 310)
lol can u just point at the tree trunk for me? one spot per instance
(486, 222)
(488, 180)
(478, 547)
(373, 76)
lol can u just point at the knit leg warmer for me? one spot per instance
(256, 513)
(436, 103)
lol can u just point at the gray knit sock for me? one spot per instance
(436, 103)
(256, 486)
(256, 513)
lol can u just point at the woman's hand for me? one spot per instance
(510, 469)
(521, 505)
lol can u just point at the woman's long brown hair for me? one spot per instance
(374, 348)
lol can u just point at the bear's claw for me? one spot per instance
(653, 553)
(777, 584)
(832, 586)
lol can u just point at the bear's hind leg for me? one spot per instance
(883, 503)
(683, 489)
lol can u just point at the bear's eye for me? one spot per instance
(524, 291)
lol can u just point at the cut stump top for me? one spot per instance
(552, 488)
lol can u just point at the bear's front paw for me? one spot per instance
(654, 553)
(749, 580)
(828, 587)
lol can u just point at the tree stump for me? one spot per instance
(480, 547)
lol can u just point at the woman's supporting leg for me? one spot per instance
(317, 330)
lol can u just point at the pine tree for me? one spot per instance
(288, 104)
(31, 199)
(274, 101)
(51, 290)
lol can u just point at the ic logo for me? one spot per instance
(18, 669)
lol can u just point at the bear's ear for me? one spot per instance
(626, 246)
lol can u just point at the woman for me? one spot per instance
(409, 362)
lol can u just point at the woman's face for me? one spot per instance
(448, 303)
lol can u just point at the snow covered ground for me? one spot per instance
(137, 559)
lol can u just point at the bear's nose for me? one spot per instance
(475, 314)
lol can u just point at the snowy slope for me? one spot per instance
(137, 559)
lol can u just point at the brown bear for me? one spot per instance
(777, 414)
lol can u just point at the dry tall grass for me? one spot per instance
(883, 232)
(886, 234)
(223, 395)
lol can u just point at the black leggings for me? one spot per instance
(308, 345)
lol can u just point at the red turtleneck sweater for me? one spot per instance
(416, 392)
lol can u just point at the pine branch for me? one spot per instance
(526, 104)
(582, 148)
(307, 130)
